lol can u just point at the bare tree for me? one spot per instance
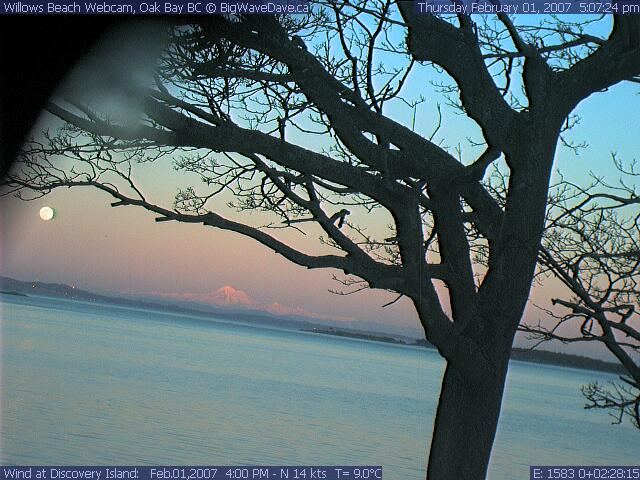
(297, 118)
(592, 245)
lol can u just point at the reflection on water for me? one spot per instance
(97, 384)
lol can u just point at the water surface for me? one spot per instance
(87, 384)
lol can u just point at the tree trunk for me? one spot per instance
(465, 425)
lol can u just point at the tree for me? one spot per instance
(294, 116)
(592, 245)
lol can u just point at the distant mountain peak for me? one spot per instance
(229, 295)
(226, 296)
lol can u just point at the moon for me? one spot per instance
(47, 213)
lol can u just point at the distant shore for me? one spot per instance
(360, 335)
(525, 355)
(17, 288)
(17, 294)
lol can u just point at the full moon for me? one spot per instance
(46, 213)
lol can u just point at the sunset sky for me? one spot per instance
(123, 250)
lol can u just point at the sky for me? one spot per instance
(124, 251)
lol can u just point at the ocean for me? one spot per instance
(96, 384)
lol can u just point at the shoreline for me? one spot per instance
(539, 357)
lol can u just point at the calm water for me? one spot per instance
(98, 384)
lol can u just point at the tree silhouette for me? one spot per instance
(592, 245)
(297, 118)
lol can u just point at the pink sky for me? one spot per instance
(123, 250)
(113, 250)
